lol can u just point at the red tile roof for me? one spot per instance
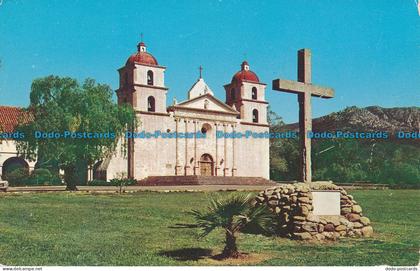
(245, 75)
(11, 117)
(142, 57)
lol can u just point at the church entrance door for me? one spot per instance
(206, 165)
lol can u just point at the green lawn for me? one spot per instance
(141, 229)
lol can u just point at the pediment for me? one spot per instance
(206, 102)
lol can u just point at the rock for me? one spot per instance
(357, 225)
(304, 210)
(293, 199)
(299, 223)
(340, 228)
(342, 233)
(305, 189)
(343, 221)
(367, 231)
(364, 220)
(357, 209)
(320, 228)
(345, 211)
(323, 221)
(299, 218)
(353, 217)
(286, 217)
(286, 208)
(319, 237)
(313, 218)
(303, 236)
(273, 203)
(328, 235)
(335, 220)
(304, 200)
(277, 210)
(309, 226)
(329, 228)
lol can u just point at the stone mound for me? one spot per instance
(293, 206)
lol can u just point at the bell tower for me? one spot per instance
(246, 94)
(142, 82)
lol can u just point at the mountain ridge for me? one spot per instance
(371, 118)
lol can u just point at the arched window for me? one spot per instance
(150, 78)
(151, 104)
(255, 116)
(254, 93)
(232, 94)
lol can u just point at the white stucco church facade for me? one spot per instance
(142, 84)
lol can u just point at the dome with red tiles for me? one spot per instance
(142, 57)
(245, 74)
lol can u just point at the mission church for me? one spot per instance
(142, 84)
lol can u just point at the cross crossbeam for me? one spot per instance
(299, 88)
(305, 90)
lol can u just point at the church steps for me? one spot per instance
(203, 180)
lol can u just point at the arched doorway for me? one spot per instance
(12, 164)
(206, 165)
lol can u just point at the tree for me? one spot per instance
(234, 214)
(85, 113)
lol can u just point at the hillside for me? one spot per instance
(391, 161)
(372, 118)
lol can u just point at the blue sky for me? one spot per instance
(368, 51)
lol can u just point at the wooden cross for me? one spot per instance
(305, 90)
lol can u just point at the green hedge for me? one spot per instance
(40, 176)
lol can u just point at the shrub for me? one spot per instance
(42, 176)
(17, 176)
(120, 183)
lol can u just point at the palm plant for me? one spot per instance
(234, 214)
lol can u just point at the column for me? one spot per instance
(178, 170)
(233, 152)
(187, 167)
(216, 159)
(225, 164)
(196, 123)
